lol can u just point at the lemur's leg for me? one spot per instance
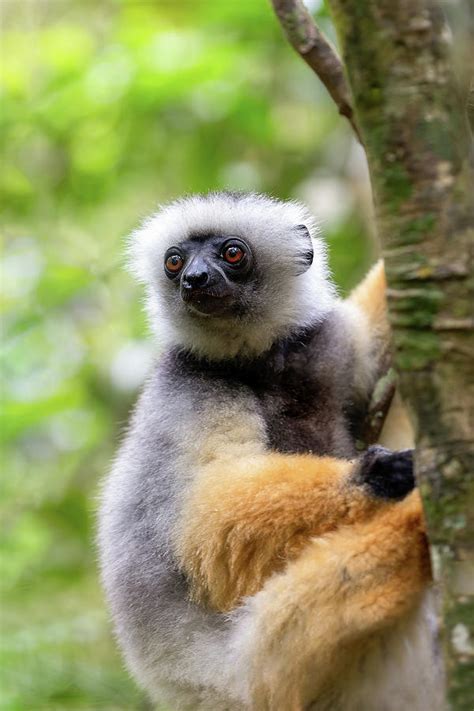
(245, 521)
(312, 623)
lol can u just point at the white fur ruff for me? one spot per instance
(286, 301)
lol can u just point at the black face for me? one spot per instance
(211, 273)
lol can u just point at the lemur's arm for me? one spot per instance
(331, 561)
(246, 520)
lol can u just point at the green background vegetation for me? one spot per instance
(108, 109)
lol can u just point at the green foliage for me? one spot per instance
(107, 109)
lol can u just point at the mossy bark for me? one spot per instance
(415, 132)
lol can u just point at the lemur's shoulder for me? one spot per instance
(368, 301)
(364, 314)
(370, 298)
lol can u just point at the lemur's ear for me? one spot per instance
(305, 254)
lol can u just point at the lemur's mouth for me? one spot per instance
(207, 302)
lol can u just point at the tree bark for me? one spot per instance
(415, 132)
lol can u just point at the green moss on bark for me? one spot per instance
(398, 66)
(415, 349)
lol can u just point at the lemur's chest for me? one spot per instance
(301, 388)
(303, 413)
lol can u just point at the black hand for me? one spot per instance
(388, 475)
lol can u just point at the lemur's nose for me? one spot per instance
(196, 278)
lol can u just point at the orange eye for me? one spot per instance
(174, 263)
(233, 254)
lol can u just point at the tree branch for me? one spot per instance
(379, 406)
(316, 50)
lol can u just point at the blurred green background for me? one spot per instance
(108, 109)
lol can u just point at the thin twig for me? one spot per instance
(316, 50)
(470, 120)
(470, 107)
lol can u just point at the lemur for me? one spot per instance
(252, 559)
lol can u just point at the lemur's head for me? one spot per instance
(229, 273)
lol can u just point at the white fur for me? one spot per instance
(287, 301)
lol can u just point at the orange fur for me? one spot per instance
(328, 603)
(246, 520)
(370, 297)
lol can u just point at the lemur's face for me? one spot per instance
(215, 275)
(227, 274)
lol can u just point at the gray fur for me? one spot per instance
(165, 637)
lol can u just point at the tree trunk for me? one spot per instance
(414, 128)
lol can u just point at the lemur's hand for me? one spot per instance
(387, 474)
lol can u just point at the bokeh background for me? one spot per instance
(108, 109)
